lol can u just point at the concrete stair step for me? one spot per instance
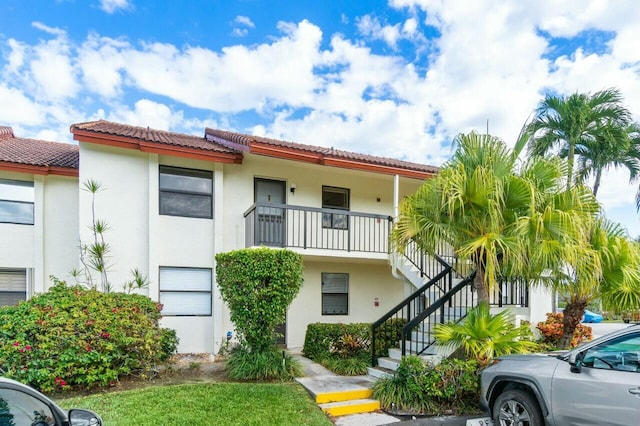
(389, 363)
(355, 406)
(332, 388)
(380, 372)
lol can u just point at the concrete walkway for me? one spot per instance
(320, 381)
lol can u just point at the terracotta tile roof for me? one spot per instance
(224, 146)
(36, 153)
(147, 134)
(319, 151)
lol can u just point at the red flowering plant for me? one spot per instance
(552, 328)
(72, 337)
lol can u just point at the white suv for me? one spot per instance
(597, 383)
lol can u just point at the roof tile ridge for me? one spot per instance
(6, 132)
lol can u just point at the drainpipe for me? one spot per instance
(393, 257)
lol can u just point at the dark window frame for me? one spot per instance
(210, 292)
(323, 293)
(22, 183)
(183, 171)
(329, 220)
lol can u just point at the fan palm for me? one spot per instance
(483, 336)
(507, 221)
(566, 125)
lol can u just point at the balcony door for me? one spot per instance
(271, 220)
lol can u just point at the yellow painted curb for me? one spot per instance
(344, 410)
(343, 396)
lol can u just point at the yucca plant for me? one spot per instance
(483, 336)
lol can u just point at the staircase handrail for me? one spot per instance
(410, 298)
(435, 306)
(406, 303)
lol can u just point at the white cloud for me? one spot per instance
(146, 113)
(111, 6)
(101, 63)
(52, 69)
(18, 108)
(371, 27)
(244, 21)
(239, 78)
(50, 30)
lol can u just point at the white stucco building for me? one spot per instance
(172, 201)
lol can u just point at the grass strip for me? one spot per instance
(206, 404)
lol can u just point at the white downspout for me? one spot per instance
(393, 257)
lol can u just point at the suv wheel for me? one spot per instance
(516, 408)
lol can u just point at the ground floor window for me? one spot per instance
(185, 291)
(13, 286)
(335, 293)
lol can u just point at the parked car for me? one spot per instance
(597, 383)
(591, 317)
(21, 405)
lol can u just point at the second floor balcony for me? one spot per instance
(298, 227)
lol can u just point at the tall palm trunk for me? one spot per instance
(570, 156)
(480, 285)
(572, 315)
(596, 184)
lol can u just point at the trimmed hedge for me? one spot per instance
(72, 337)
(258, 285)
(320, 338)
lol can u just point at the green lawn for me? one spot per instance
(205, 404)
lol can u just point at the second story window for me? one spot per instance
(335, 198)
(186, 192)
(16, 202)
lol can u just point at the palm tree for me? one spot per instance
(567, 125)
(507, 221)
(483, 336)
(615, 146)
(608, 268)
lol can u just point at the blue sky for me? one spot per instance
(397, 78)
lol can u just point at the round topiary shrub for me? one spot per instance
(72, 337)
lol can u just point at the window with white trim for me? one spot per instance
(335, 293)
(13, 286)
(186, 192)
(185, 291)
(16, 202)
(335, 198)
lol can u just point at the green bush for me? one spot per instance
(342, 348)
(244, 364)
(258, 285)
(421, 388)
(321, 337)
(389, 335)
(71, 337)
(349, 366)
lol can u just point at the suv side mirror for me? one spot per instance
(576, 360)
(78, 417)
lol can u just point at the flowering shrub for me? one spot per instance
(552, 329)
(71, 337)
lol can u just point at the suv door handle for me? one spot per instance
(634, 391)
